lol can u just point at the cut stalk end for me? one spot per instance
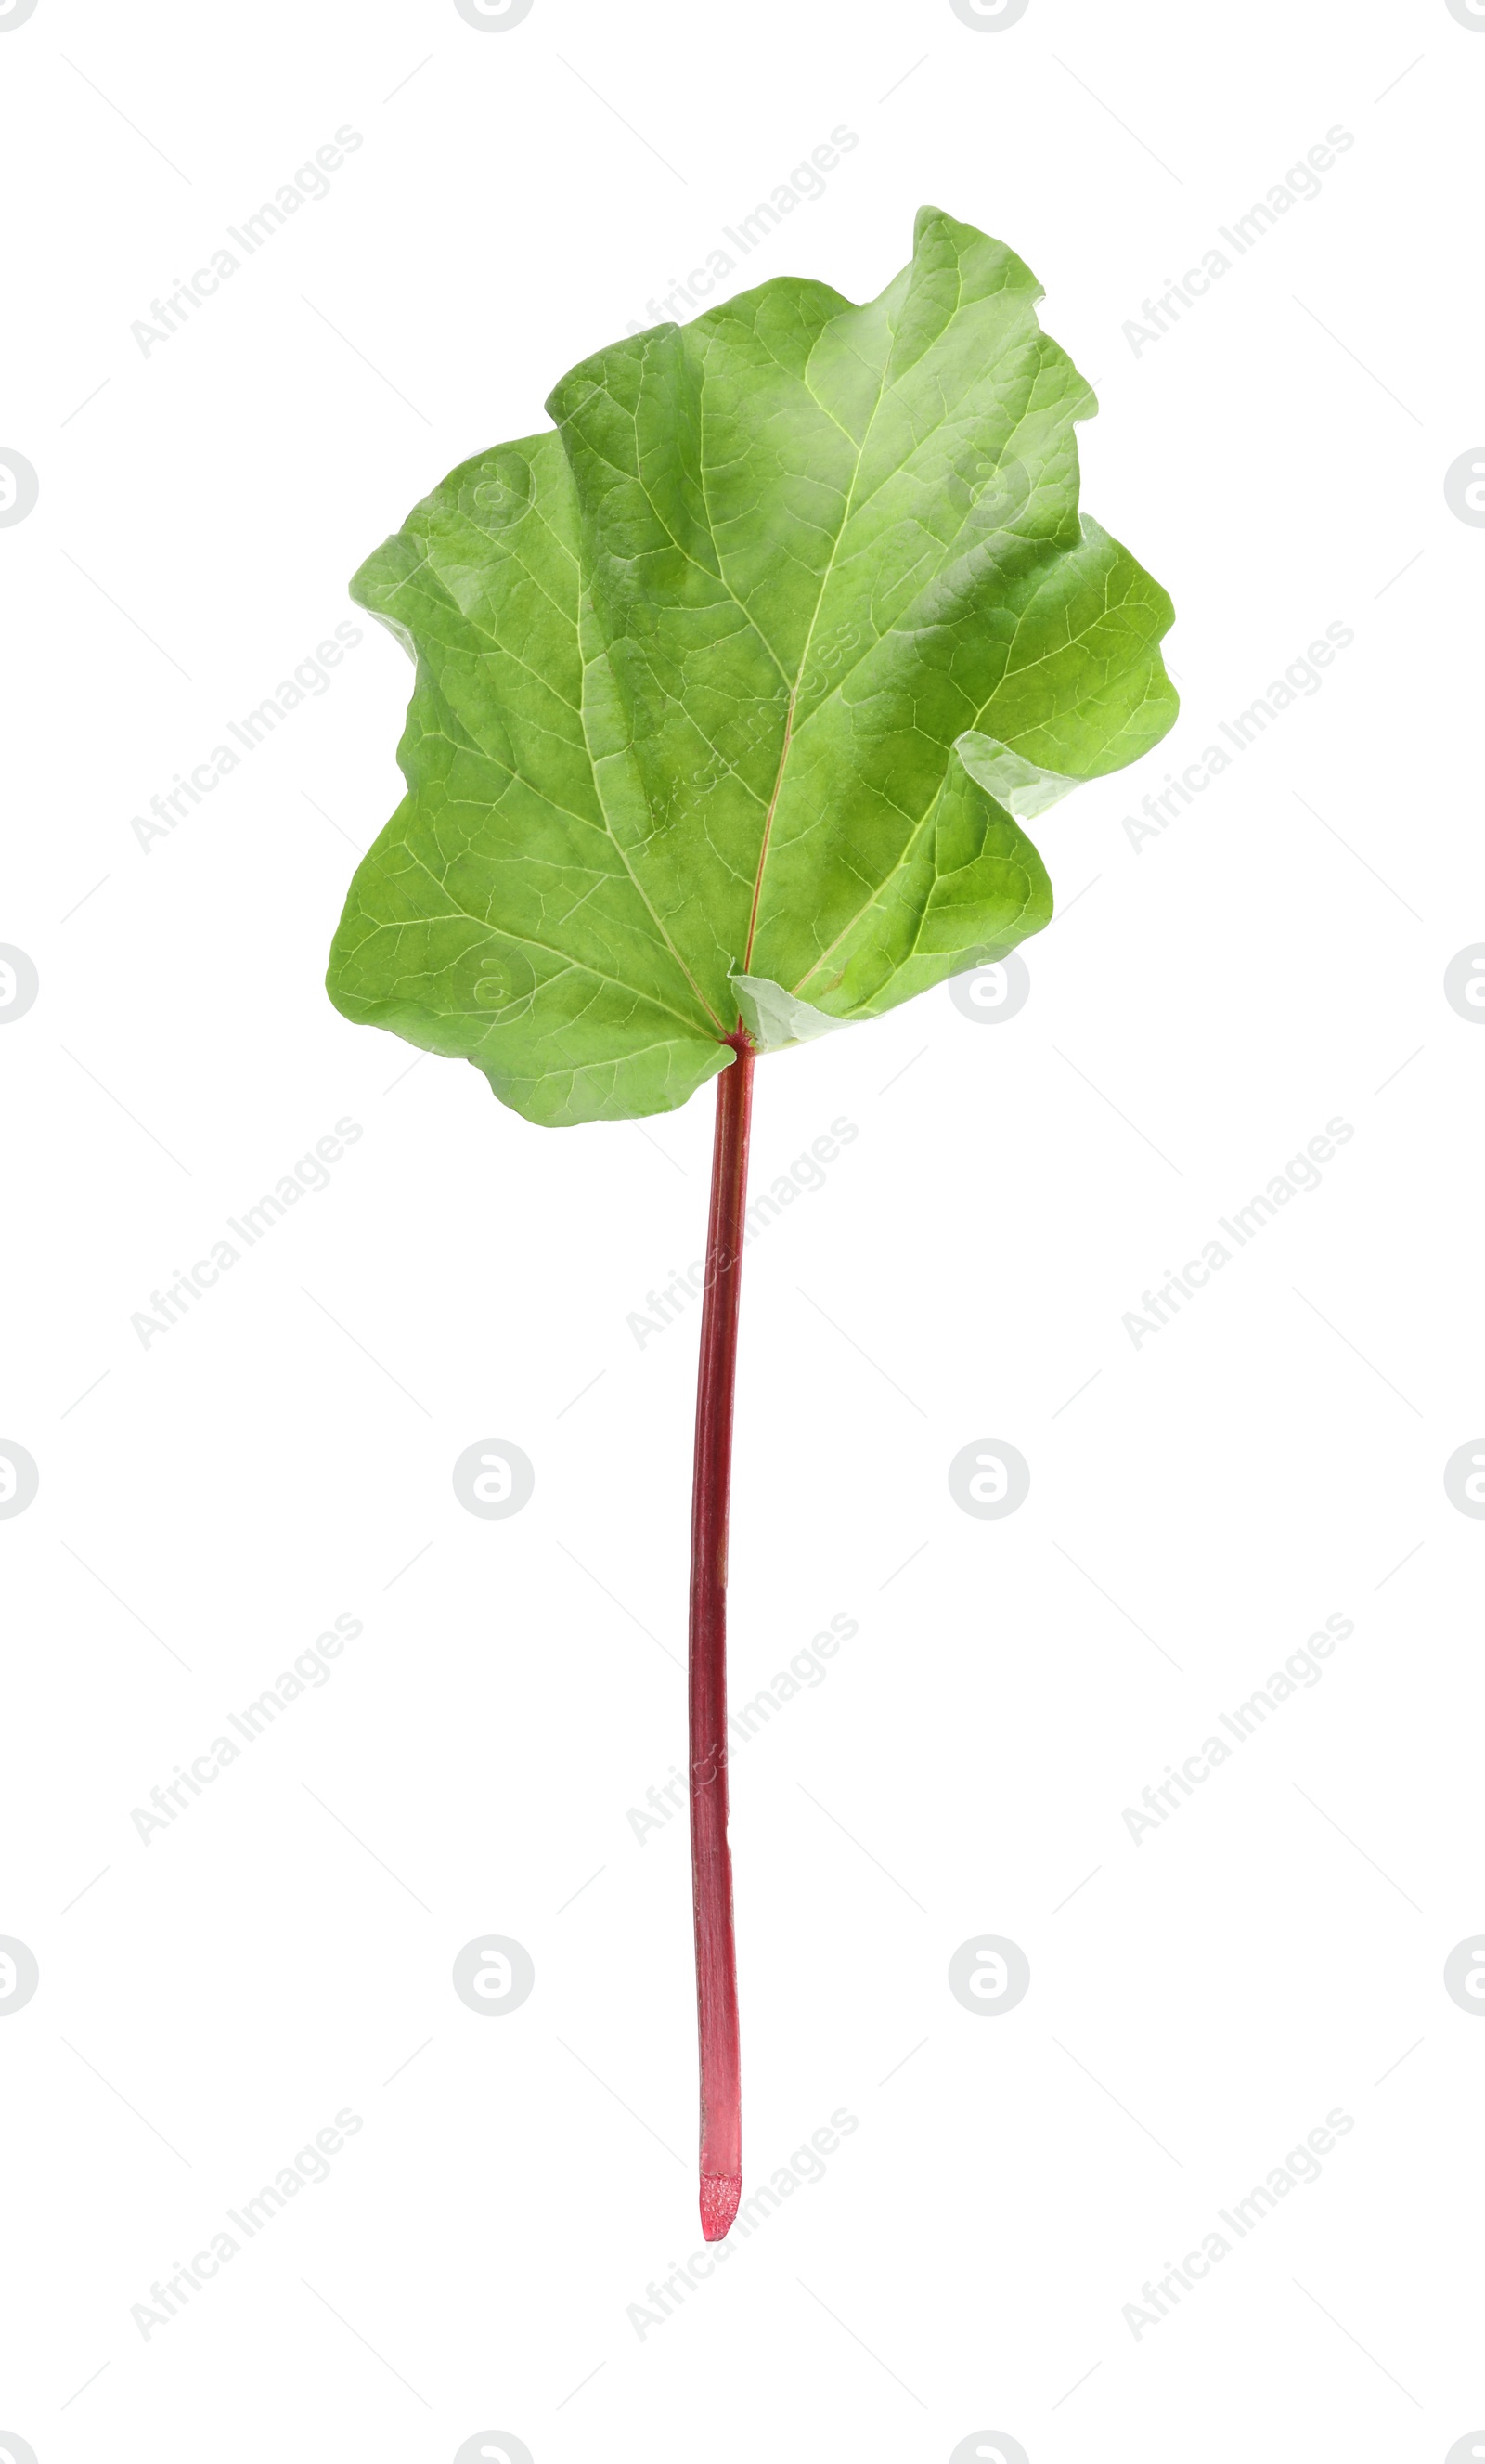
(720, 2193)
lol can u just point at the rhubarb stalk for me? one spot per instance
(711, 1862)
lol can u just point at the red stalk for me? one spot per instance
(711, 1862)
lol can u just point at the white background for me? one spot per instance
(1198, 1504)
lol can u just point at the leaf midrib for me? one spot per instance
(820, 600)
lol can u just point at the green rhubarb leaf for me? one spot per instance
(735, 687)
